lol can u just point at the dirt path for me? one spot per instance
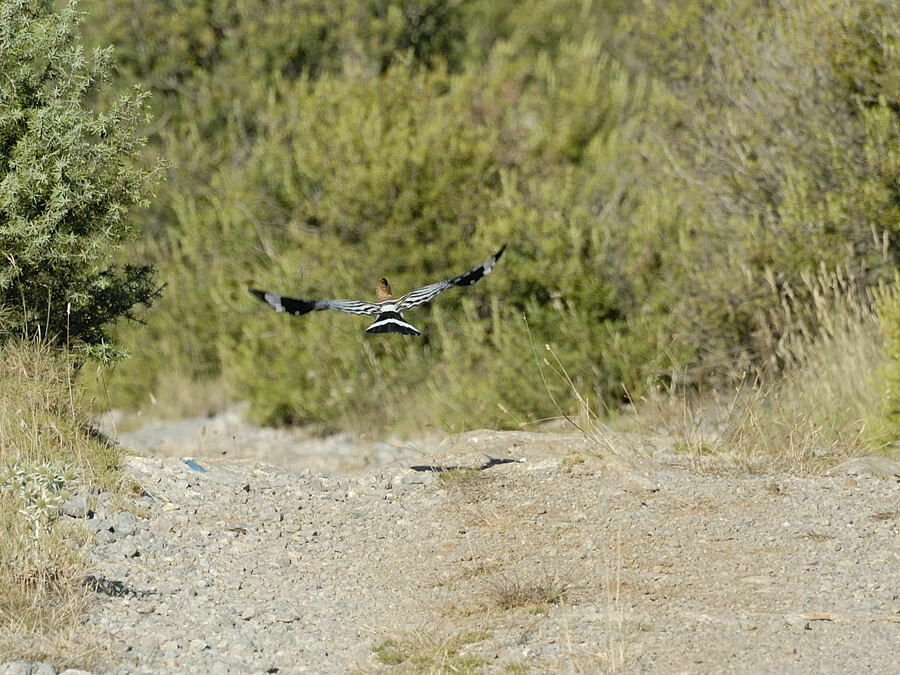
(581, 558)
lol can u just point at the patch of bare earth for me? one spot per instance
(459, 557)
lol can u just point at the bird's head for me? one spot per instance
(383, 290)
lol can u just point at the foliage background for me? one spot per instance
(670, 177)
(67, 181)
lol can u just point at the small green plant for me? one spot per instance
(422, 651)
(458, 476)
(390, 653)
(41, 488)
(578, 457)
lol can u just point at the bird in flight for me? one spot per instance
(387, 310)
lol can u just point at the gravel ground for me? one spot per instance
(584, 557)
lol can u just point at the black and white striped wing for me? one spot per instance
(425, 294)
(296, 306)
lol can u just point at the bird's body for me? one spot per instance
(387, 309)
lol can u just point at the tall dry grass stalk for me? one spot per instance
(825, 401)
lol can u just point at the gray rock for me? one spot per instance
(103, 536)
(874, 466)
(15, 668)
(101, 524)
(126, 548)
(270, 515)
(411, 480)
(41, 668)
(123, 524)
(76, 506)
(162, 524)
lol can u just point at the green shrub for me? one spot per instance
(67, 182)
(778, 143)
(669, 176)
(346, 172)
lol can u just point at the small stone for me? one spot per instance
(127, 548)
(197, 645)
(412, 480)
(318, 484)
(103, 536)
(98, 524)
(634, 482)
(169, 646)
(15, 668)
(162, 524)
(41, 668)
(270, 516)
(123, 524)
(239, 647)
(76, 506)
(286, 615)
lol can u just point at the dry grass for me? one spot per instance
(429, 652)
(458, 477)
(514, 591)
(827, 403)
(819, 400)
(46, 452)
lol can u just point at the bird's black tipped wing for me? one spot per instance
(425, 294)
(297, 306)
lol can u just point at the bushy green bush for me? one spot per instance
(668, 175)
(67, 183)
(778, 140)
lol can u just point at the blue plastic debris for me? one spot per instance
(196, 467)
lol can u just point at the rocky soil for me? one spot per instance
(256, 551)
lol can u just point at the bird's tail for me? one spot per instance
(392, 322)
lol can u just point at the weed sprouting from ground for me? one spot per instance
(458, 477)
(534, 589)
(432, 652)
(513, 592)
(40, 488)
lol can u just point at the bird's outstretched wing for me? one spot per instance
(425, 294)
(297, 306)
